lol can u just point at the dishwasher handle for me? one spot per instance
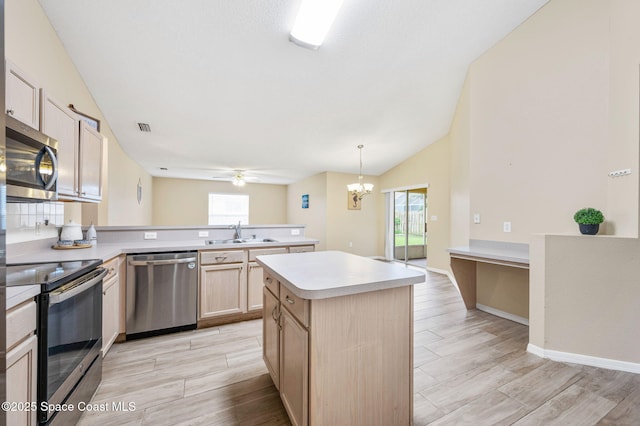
(161, 262)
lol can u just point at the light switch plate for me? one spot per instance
(506, 227)
(476, 218)
(150, 235)
(203, 234)
(434, 218)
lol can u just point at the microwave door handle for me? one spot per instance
(54, 167)
(64, 295)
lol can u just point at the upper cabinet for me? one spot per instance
(90, 162)
(79, 152)
(62, 124)
(22, 96)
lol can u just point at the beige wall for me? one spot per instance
(186, 201)
(32, 44)
(314, 217)
(431, 166)
(539, 123)
(329, 220)
(353, 231)
(587, 298)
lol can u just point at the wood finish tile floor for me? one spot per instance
(470, 368)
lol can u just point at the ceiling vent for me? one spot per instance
(144, 127)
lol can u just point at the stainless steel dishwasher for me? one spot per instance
(162, 293)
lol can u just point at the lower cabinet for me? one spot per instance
(271, 336)
(111, 304)
(21, 360)
(254, 287)
(340, 360)
(294, 363)
(286, 354)
(222, 290)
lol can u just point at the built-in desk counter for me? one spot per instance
(464, 262)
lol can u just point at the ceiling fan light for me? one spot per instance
(238, 181)
(313, 22)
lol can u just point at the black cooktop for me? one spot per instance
(48, 275)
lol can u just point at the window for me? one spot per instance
(228, 209)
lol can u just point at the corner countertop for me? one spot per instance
(325, 274)
(19, 294)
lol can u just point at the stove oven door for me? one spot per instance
(70, 337)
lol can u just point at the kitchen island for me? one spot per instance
(338, 337)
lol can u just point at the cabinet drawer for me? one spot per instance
(112, 268)
(301, 249)
(259, 252)
(272, 284)
(21, 322)
(216, 257)
(298, 307)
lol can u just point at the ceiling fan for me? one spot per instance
(237, 178)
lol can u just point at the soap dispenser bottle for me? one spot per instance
(91, 235)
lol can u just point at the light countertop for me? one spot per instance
(19, 294)
(494, 250)
(108, 251)
(325, 274)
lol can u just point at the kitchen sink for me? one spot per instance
(240, 241)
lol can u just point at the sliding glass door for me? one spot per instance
(409, 223)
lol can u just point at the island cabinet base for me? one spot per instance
(356, 365)
(361, 359)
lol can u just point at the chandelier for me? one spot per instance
(360, 189)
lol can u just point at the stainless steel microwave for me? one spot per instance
(31, 163)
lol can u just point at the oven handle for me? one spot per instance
(56, 298)
(161, 262)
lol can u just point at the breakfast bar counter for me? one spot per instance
(338, 337)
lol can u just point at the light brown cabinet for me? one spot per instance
(341, 360)
(222, 290)
(62, 124)
(111, 304)
(22, 349)
(271, 335)
(90, 165)
(294, 364)
(231, 283)
(22, 98)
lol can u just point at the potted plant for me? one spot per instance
(589, 220)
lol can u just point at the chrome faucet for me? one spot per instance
(238, 229)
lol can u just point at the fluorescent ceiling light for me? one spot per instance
(313, 22)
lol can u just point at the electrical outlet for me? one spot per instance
(506, 227)
(350, 243)
(150, 235)
(434, 218)
(476, 218)
(295, 232)
(203, 234)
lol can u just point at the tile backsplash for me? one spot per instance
(33, 221)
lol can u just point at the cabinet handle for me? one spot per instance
(10, 111)
(290, 300)
(268, 280)
(220, 258)
(273, 313)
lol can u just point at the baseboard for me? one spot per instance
(439, 271)
(609, 364)
(502, 314)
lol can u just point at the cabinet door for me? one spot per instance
(22, 96)
(255, 285)
(110, 312)
(62, 124)
(294, 368)
(222, 290)
(21, 380)
(271, 335)
(90, 162)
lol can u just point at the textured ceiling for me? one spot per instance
(222, 87)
